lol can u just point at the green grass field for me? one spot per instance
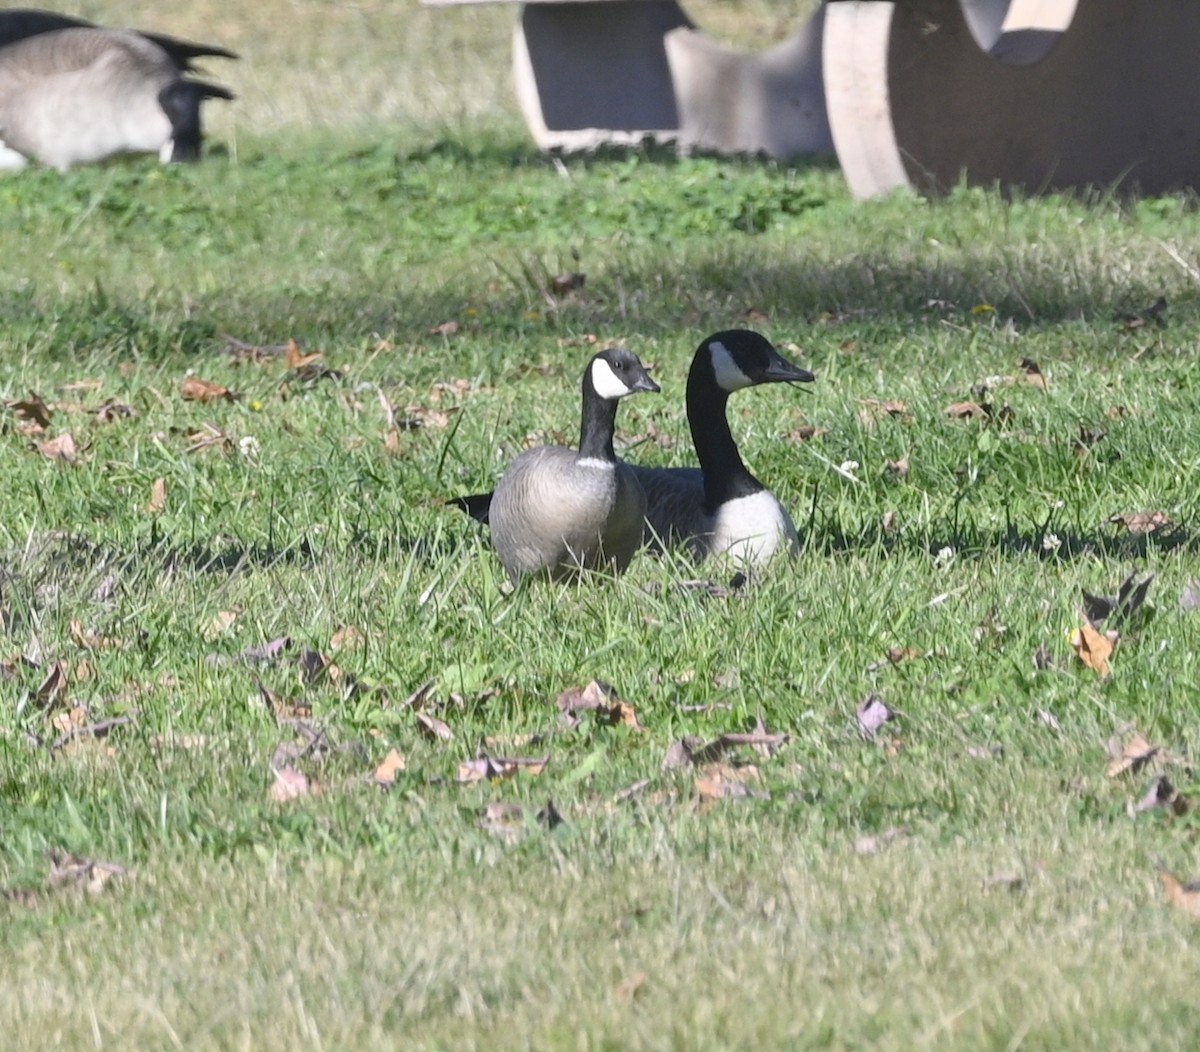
(975, 876)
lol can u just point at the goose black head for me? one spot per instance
(616, 372)
(740, 358)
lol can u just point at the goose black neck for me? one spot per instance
(725, 475)
(598, 423)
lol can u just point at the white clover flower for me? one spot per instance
(249, 447)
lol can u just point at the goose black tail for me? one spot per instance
(477, 505)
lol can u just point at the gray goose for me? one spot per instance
(557, 511)
(19, 23)
(720, 508)
(74, 96)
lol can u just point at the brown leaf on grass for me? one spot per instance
(53, 686)
(289, 784)
(70, 720)
(447, 328)
(194, 389)
(1094, 648)
(158, 497)
(897, 656)
(32, 409)
(206, 436)
(346, 637)
(393, 763)
(691, 750)
(433, 728)
(965, 410)
(872, 714)
(1129, 755)
(285, 710)
(631, 987)
(897, 468)
(875, 408)
(111, 411)
(1182, 896)
(218, 624)
(1143, 522)
(90, 640)
(492, 767)
(875, 843)
(1160, 794)
(598, 698)
(296, 359)
(265, 653)
(1033, 374)
(722, 781)
(91, 731)
(806, 433)
(75, 872)
(60, 448)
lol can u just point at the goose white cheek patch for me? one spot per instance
(725, 370)
(606, 382)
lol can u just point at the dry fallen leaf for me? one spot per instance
(492, 767)
(289, 784)
(1094, 648)
(723, 781)
(52, 687)
(1033, 374)
(1131, 755)
(297, 360)
(433, 728)
(60, 448)
(218, 624)
(965, 410)
(447, 328)
(1143, 522)
(158, 497)
(806, 433)
(393, 763)
(345, 637)
(194, 389)
(598, 698)
(1185, 897)
(82, 874)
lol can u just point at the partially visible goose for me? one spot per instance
(557, 511)
(719, 507)
(73, 96)
(21, 22)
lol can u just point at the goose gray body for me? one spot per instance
(23, 22)
(75, 96)
(720, 508)
(558, 511)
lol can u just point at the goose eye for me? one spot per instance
(618, 365)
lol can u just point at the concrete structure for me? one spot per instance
(1036, 94)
